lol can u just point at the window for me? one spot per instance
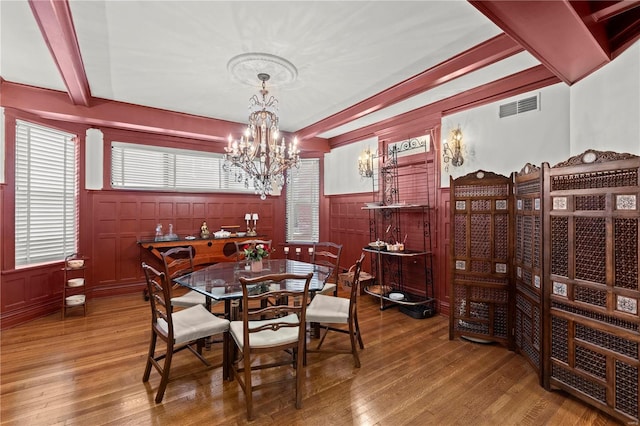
(303, 202)
(46, 194)
(153, 168)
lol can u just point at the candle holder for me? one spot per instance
(286, 252)
(247, 218)
(253, 231)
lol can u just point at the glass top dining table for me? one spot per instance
(221, 282)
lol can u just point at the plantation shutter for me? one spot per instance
(303, 202)
(46, 181)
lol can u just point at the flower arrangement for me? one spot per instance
(254, 252)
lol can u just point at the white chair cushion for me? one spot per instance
(194, 323)
(328, 309)
(266, 338)
(328, 288)
(190, 298)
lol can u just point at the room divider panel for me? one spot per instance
(481, 247)
(528, 265)
(591, 279)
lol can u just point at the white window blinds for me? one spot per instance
(303, 202)
(146, 167)
(46, 194)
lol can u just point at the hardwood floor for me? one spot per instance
(88, 371)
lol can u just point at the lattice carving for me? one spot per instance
(480, 205)
(626, 253)
(598, 179)
(607, 341)
(559, 339)
(480, 229)
(519, 237)
(537, 243)
(560, 246)
(591, 362)
(590, 295)
(593, 389)
(608, 319)
(482, 191)
(501, 236)
(590, 202)
(527, 236)
(590, 246)
(480, 280)
(627, 392)
(460, 235)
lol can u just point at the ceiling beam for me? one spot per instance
(513, 85)
(553, 32)
(486, 53)
(56, 25)
(55, 105)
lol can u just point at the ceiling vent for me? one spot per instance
(518, 107)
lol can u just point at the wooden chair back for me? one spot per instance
(178, 261)
(273, 320)
(159, 300)
(328, 254)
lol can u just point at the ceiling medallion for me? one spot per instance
(244, 68)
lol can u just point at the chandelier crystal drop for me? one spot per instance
(261, 155)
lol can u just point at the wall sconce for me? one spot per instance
(253, 232)
(365, 163)
(452, 151)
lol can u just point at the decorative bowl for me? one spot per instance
(396, 296)
(75, 300)
(75, 282)
(241, 234)
(75, 263)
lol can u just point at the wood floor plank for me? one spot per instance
(88, 371)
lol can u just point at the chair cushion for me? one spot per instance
(328, 309)
(266, 338)
(190, 298)
(194, 323)
(328, 288)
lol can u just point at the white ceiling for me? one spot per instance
(173, 55)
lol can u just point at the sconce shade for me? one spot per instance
(255, 216)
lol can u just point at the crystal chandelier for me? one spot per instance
(261, 159)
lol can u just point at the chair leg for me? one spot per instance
(152, 350)
(355, 320)
(165, 373)
(298, 367)
(354, 350)
(248, 387)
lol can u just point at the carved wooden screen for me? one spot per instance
(591, 280)
(481, 250)
(528, 265)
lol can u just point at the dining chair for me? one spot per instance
(328, 254)
(240, 245)
(178, 261)
(270, 328)
(179, 330)
(333, 313)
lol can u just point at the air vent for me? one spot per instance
(518, 107)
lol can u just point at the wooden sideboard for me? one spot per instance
(206, 251)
